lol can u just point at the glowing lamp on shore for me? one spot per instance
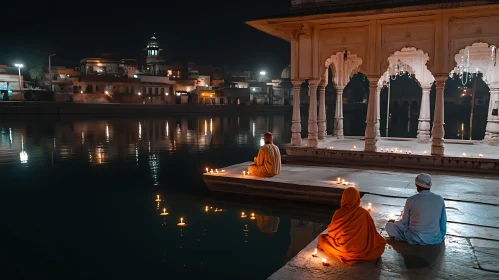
(338, 180)
(381, 150)
(355, 147)
(181, 224)
(157, 198)
(369, 205)
(343, 182)
(243, 215)
(216, 170)
(464, 154)
(223, 170)
(107, 92)
(164, 212)
(211, 171)
(207, 170)
(425, 152)
(480, 155)
(244, 173)
(324, 262)
(314, 254)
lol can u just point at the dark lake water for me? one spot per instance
(78, 197)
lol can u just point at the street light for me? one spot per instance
(19, 66)
(262, 74)
(50, 71)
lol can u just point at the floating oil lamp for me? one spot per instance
(243, 215)
(181, 224)
(207, 170)
(211, 171)
(252, 216)
(218, 210)
(206, 209)
(314, 254)
(324, 262)
(480, 155)
(157, 198)
(164, 212)
(369, 205)
(223, 170)
(244, 173)
(216, 170)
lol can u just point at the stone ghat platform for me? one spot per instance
(471, 249)
(469, 156)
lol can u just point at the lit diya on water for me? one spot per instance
(181, 224)
(157, 198)
(243, 215)
(164, 212)
(252, 216)
(206, 209)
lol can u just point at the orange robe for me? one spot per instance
(267, 163)
(352, 236)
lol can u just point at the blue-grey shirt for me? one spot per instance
(425, 218)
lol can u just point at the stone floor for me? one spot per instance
(471, 249)
(454, 148)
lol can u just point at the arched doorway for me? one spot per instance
(472, 95)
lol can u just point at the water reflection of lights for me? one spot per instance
(10, 135)
(140, 131)
(82, 138)
(54, 141)
(154, 167)
(137, 154)
(211, 125)
(167, 129)
(253, 129)
(205, 127)
(23, 155)
(107, 133)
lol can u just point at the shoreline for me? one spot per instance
(57, 108)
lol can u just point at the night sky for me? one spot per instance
(209, 32)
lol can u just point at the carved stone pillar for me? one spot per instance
(492, 129)
(321, 124)
(312, 115)
(296, 121)
(438, 132)
(378, 105)
(372, 118)
(338, 115)
(424, 117)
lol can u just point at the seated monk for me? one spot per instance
(268, 161)
(424, 220)
(352, 236)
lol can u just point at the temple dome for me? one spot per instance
(286, 73)
(153, 43)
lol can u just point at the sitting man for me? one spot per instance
(268, 161)
(352, 236)
(424, 218)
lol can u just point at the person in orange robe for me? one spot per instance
(352, 236)
(268, 161)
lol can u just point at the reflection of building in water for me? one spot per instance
(302, 232)
(267, 224)
(154, 168)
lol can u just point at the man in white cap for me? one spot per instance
(424, 218)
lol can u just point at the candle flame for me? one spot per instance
(207, 169)
(181, 220)
(315, 252)
(164, 210)
(324, 260)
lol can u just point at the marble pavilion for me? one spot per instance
(430, 40)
